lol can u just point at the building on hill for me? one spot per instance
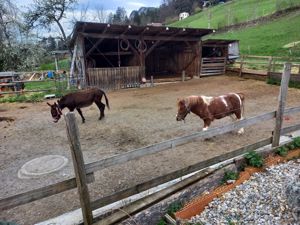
(183, 15)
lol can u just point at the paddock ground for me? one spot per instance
(138, 117)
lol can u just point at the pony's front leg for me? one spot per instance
(241, 130)
(206, 125)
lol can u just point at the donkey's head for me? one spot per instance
(55, 112)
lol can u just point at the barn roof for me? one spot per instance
(217, 42)
(114, 31)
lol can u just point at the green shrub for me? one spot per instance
(296, 142)
(174, 207)
(162, 222)
(254, 159)
(229, 175)
(282, 151)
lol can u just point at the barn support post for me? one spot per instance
(281, 103)
(200, 58)
(81, 56)
(183, 76)
(241, 66)
(270, 65)
(71, 76)
(78, 163)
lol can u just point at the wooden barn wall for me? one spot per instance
(172, 61)
(114, 78)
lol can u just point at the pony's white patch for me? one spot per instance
(241, 131)
(205, 128)
(224, 101)
(207, 100)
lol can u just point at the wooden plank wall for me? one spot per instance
(115, 78)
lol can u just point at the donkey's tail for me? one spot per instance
(242, 96)
(106, 100)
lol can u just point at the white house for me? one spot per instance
(183, 15)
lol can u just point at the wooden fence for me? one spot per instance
(84, 172)
(264, 66)
(213, 66)
(115, 78)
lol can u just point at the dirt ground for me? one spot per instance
(138, 117)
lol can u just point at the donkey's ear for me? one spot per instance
(48, 104)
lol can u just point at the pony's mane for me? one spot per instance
(192, 100)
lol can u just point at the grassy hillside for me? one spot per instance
(233, 12)
(268, 38)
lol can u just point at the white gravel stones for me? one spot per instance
(260, 200)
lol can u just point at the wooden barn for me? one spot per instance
(119, 56)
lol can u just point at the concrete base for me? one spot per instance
(43, 165)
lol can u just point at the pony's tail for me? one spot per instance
(106, 100)
(242, 96)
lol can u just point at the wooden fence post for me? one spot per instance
(78, 163)
(281, 103)
(241, 66)
(270, 65)
(183, 75)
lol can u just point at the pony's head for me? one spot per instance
(183, 109)
(55, 112)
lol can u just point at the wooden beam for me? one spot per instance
(113, 53)
(152, 48)
(176, 174)
(137, 37)
(289, 129)
(153, 198)
(78, 163)
(98, 41)
(39, 193)
(135, 154)
(281, 103)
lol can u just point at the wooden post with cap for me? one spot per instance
(78, 163)
(281, 103)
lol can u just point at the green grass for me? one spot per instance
(269, 38)
(233, 12)
(292, 84)
(42, 85)
(62, 65)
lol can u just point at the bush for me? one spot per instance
(282, 151)
(229, 175)
(254, 159)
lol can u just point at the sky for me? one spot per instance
(108, 6)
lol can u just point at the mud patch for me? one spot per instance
(6, 118)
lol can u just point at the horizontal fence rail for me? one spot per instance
(179, 173)
(104, 163)
(40, 193)
(69, 184)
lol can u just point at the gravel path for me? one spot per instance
(260, 200)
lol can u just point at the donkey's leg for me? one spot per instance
(101, 107)
(80, 113)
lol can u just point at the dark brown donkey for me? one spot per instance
(79, 100)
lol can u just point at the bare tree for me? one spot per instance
(45, 13)
(101, 15)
